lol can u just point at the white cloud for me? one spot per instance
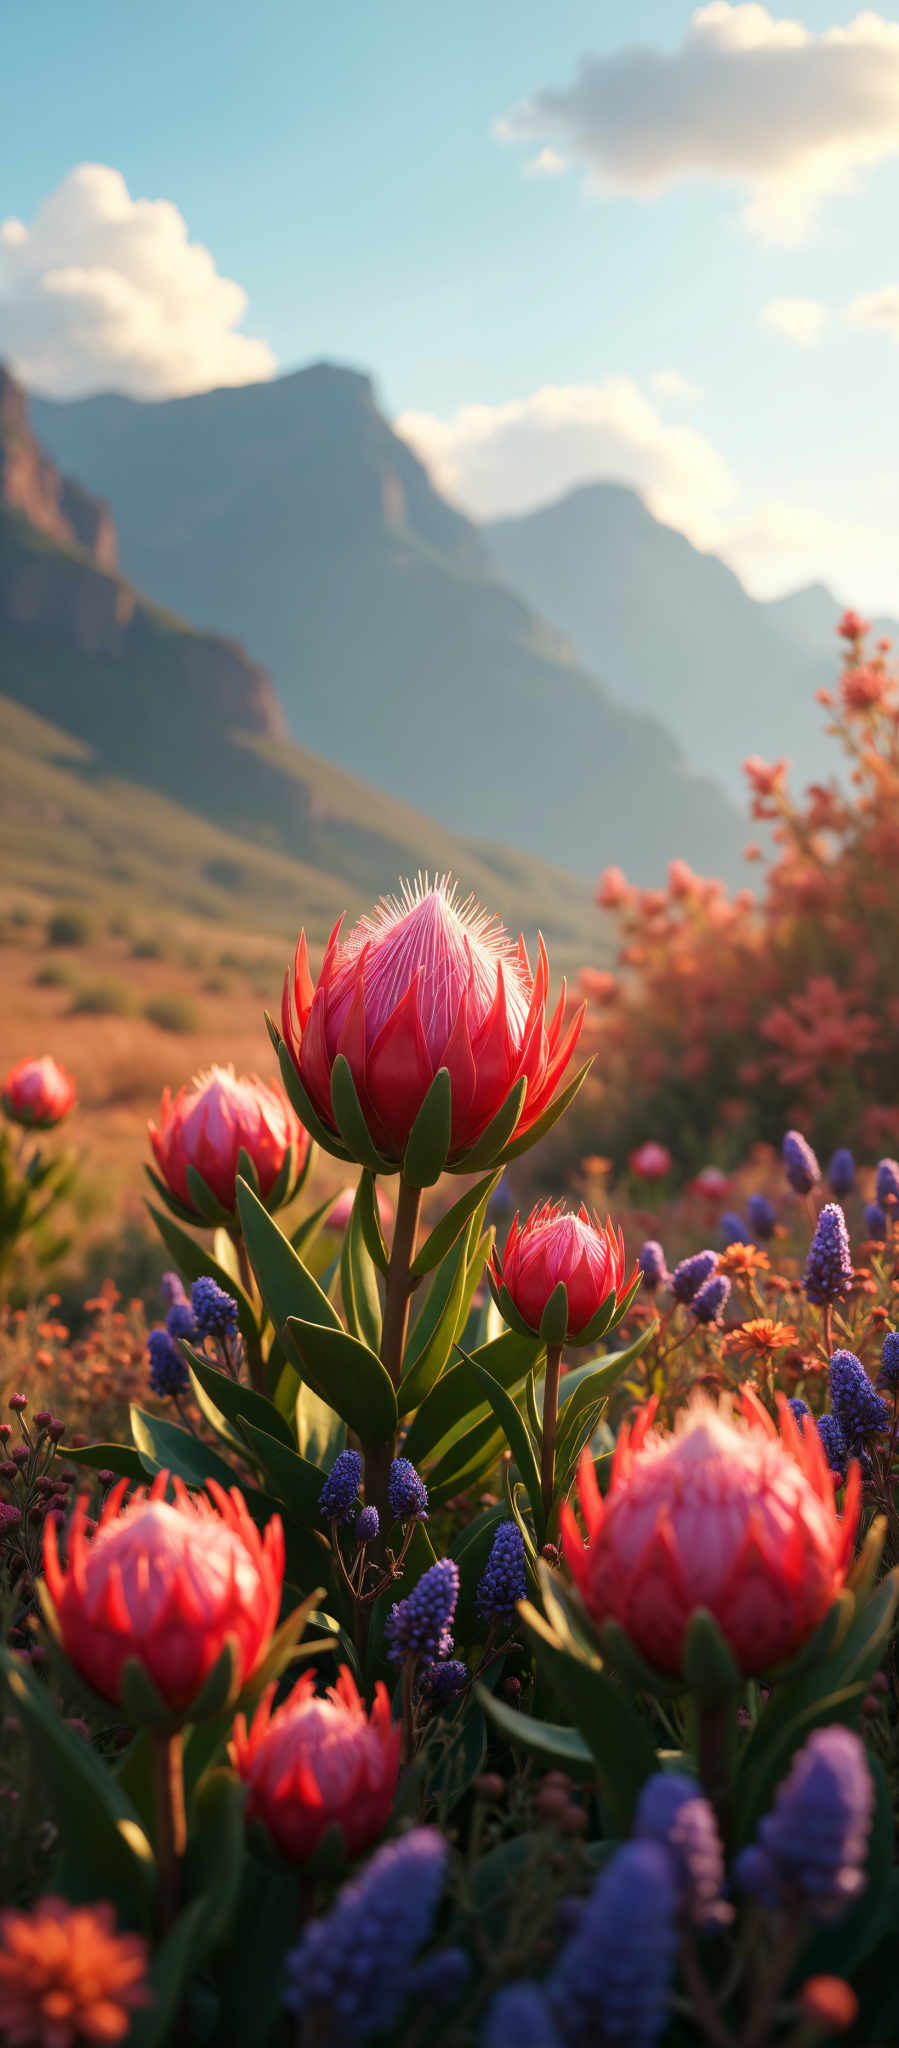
(783, 114)
(546, 164)
(102, 291)
(877, 309)
(508, 458)
(672, 384)
(801, 320)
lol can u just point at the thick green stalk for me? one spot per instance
(550, 1416)
(398, 1292)
(171, 1821)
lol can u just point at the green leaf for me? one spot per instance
(286, 1285)
(211, 1210)
(429, 1139)
(466, 1464)
(457, 1402)
(518, 1437)
(606, 1717)
(306, 1231)
(359, 1280)
(162, 1446)
(233, 1400)
(369, 1217)
(440, 1317)
(294, 1481)
(170, 1970)
(550, 1116)
(321, 1434)
(120, 1458)
(444, 1234)
(251, 1971)
(550, 1740)
(350, 1121)
(98, 1824)
(215, 1850)
(348, 1376)
(461, 1757)
(193, 1261)
(489, 1147)
(299, 1100)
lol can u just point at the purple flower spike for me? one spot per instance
(800, 1165)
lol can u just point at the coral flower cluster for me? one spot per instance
(206, 1126)
(37, 1093)
(68, 1977)
(426, 982)
(725, 1514)
(318, 1762)
(554, 1247)
(167, 1584)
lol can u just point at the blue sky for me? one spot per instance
(342, 165)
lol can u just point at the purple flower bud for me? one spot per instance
(859, 1409)
(407, 1494)
(171, 1289)
(876, 1223)
(801, 1166)
(799, 1407)
(733, 1229)
(652, 1264)
(815, 1840)
(444, 1681)
(420, 1625)
(841, 1171)
(836, 1449)
(368, 1525)
(828, 1268)
(502, 1583)
(168, 1372)
(215, 1312)
(340, 1492)
(519, 2017)
(673, 1812)
(691, 1274)
(610, 1982)
(889, 1362)
(353, 1970)
(887, 1187)
(709, 1304)
(181, 1321)
(761, 1217)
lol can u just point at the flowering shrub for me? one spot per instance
(733, 1015)
(592, 1572)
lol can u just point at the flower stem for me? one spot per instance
(550, 1414)
(171, 1820)
(253, 1346)
(398, 1291)
(409, 1666)
(716, 1727)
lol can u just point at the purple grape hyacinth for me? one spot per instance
(168, 1372)
(407, 1494)
(653, 1265)
(709, 1304)
(815, 1839)
(692, 1273)
(887, 1186)
(502, 1583)
(800, 1165)
(841, 1171)
(828, 1268)
(609, 1981)
(859, 1409)
(353, 1969)
(421, 1625)
(673, 1812)
(340, 1492)
(215, 1312)
(762, 1219)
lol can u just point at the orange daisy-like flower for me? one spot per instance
(741, 1259)
(68, 1977)
(759, 1338)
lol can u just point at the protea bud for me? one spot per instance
(725, 1515)
(427, 998)
(161, 1591)
(563, 1276)
(650, 1161)
(203, 1132)
(38, 1093)
(317, 1762)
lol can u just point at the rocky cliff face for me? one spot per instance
(32, 485)
(58, 578)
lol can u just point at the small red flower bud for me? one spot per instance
(37, 1093)
(318, 1761)
(208, 1123)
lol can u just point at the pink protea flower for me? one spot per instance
(553, 1248)
(724, 1514)
(38, 1093)
(168, 1584)
(711, 1182)
(424, 982)
(651, 1161)
(211, 1120)
(318, 1761)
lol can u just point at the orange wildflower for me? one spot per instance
(759, 1338)
(67, 1976)
(741, 1259)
